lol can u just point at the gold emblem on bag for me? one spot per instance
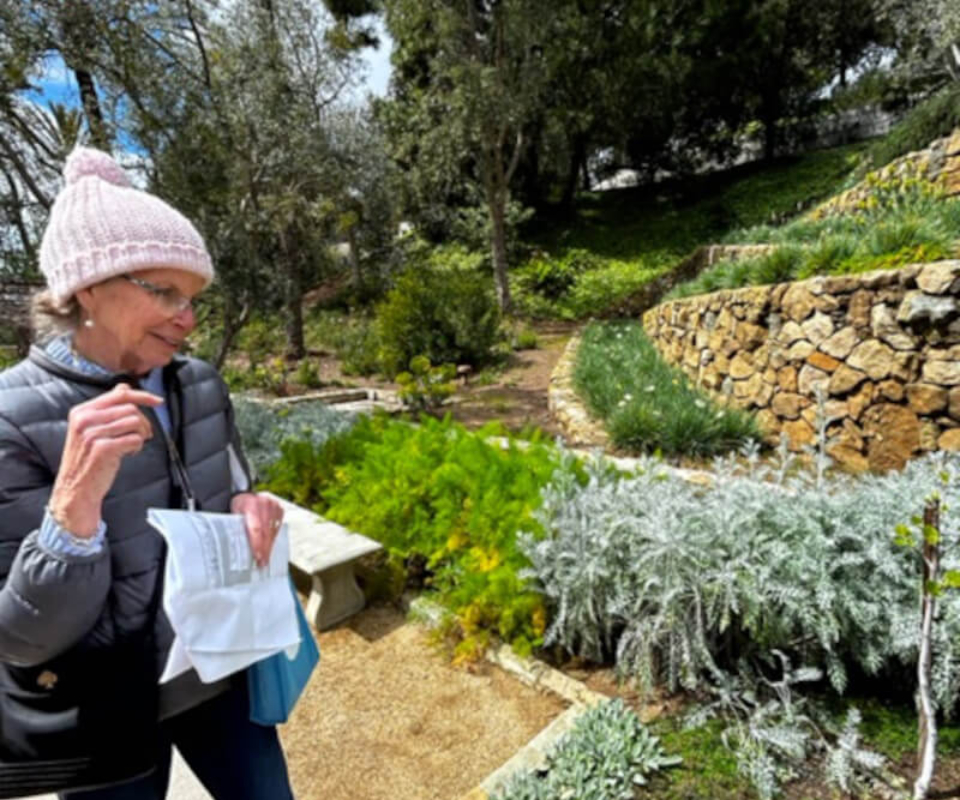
(47, 679)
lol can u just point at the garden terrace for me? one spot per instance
(883, 348)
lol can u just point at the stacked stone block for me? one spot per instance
(882, 349)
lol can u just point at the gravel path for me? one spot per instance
(386, 716)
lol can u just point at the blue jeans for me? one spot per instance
(234, 758)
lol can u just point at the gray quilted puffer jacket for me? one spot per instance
(51, 603)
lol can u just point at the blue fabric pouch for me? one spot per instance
(275, 683)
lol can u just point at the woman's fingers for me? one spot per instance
(124, 393)
(113, 424)
(263, 516)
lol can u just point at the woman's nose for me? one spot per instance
(185, 319)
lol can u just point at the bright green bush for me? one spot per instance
(552, 277)
(426, 386)
(449, 316)
(648, 405)
(441, 493)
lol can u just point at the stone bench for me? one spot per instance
(326, 553)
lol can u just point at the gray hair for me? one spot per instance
(50, 317)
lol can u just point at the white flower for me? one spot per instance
(628, 396)
(650, 388)
(699, 403)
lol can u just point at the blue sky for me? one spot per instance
(377, 63)
(56, 84)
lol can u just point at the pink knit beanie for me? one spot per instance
(100, 226)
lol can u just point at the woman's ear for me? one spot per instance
(85, 299)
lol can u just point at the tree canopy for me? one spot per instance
(497, 109)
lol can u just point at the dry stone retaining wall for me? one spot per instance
(939, 163)
(883, 347)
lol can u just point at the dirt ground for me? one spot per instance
(387, 716)
(515, 395)
(518, 398)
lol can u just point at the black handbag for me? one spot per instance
(84, 720)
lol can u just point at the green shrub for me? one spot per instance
(648, 405)
(352, 338)
(826, 255)
(261, 338)
(269, 375)
(443, 494)
(904, 222)
(598, 290)
(778, 266)
(426, 386)
(448, 316)
(307, 374)
(900, 234)
(359, 348)
(552, 277)
(523, 339)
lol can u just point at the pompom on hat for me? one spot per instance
(100, 227)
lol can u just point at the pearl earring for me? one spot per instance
(88, 323)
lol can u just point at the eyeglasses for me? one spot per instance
(171, 299)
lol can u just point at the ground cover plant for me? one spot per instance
(442, 500)
(607, 755)
(936, 116)
(264, 428)
(622, 239)
(903, 221)
(744, 592)
(648, 405)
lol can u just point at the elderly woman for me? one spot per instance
(97, 425)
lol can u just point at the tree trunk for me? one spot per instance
(769, 119)
(15, 215)
(293, 299)
(295, 346)
(578, 158)
(91, 108)
(927, 749)
(357, 277)
(232, 324)
(496, 201)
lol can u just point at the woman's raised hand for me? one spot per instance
(100, 432)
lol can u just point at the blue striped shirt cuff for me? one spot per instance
(58, 539)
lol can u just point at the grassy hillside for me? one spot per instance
(621, 239)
